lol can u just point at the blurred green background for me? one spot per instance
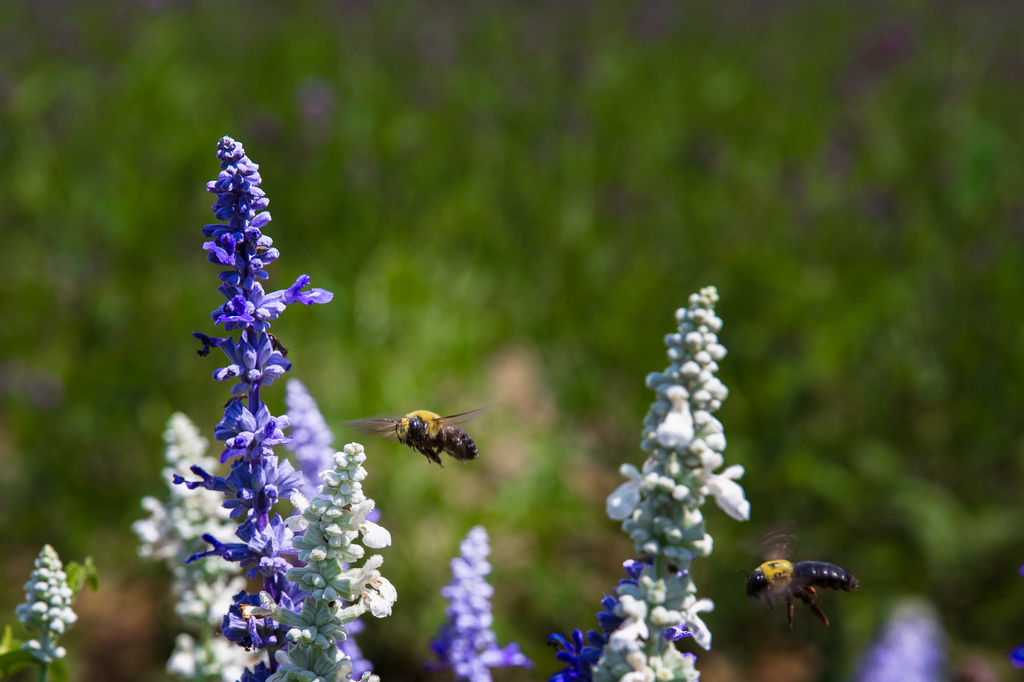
(509, 201)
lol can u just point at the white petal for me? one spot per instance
(296, 523)
(375, 536)
(694, 624)
(728, 494)
(299, 501)
(381, 599)
(701, 634)
(633, 631)
(676, 431)
(623, 501)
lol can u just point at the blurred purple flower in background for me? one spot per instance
(466, 642)
(249, 430)
(1017, 653)
(910, 647)
(312, 441)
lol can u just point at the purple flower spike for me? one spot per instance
(312, 441)
(466, 642)
(248, 429)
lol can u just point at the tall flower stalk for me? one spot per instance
(312, 444)
(248, 429)
(466, 644)
(659, 507)
(329, 525)
(46, 613)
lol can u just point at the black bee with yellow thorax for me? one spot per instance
(426, 432)
(782, 580)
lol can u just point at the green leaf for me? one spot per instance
(15, 660)
(80, 574)
(7, 642)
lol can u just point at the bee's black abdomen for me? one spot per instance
(824, 574)
(470, 447)
(458, 444)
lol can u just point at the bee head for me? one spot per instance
(756, 582)
(415, 427)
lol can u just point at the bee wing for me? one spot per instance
(375, 426)
(464, 417)
(777, 545)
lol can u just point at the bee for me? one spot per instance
(778, 579)
(426, 432)
(277, 345)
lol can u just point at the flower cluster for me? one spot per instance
(173, 532)
(249, 431)
(46, 613)
(909, 648)
(582, 651)
(312, 444)
(660, 506)
(329, 525)
(466, 643)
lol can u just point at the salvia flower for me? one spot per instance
(330, 524)
(174, 531)
(582, 657)
(313, 446)
(580, 653)
(909, 648)
(46, 613)
(466, 643)
(248, 429)
(659, 506)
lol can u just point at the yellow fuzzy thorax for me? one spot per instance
(432, 419)
(778, 569)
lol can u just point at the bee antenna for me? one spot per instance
(745, 574)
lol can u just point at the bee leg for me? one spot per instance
(431, 455)
(806, 595)
(816, 610)
(789, 612)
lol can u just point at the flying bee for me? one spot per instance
(426, 432)
(778, 579)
